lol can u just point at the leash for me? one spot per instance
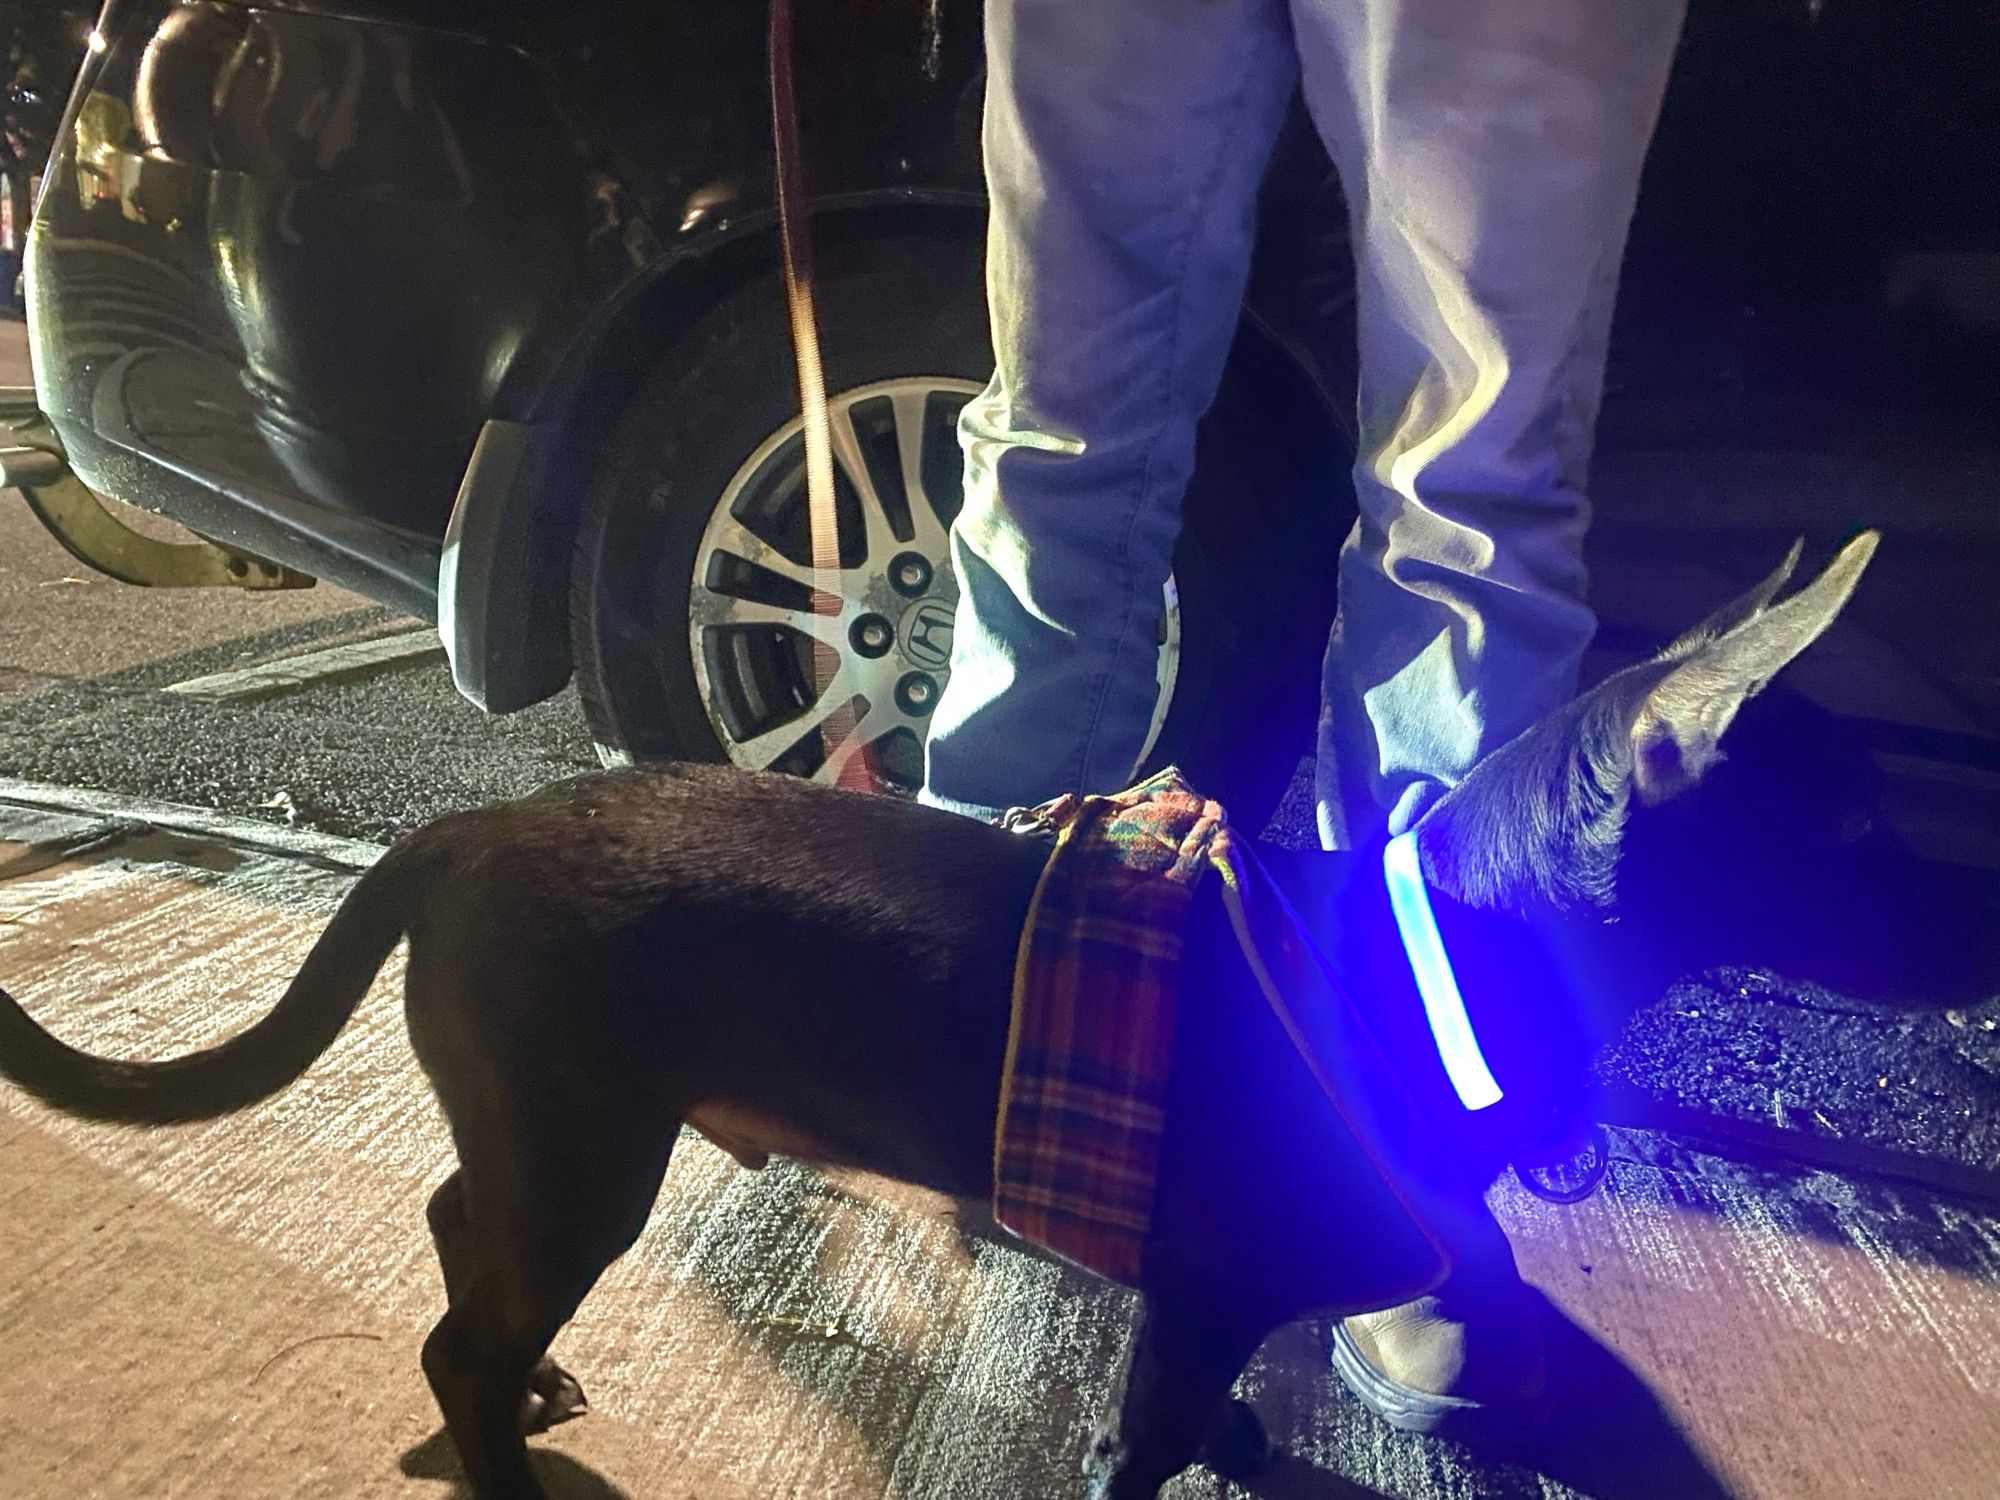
(839, 731)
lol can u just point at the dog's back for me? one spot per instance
(838, 962)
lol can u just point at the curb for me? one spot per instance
(349, 856)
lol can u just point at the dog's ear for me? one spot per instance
(1543, 817)
(1737, 611)
(1678, 726)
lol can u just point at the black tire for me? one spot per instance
(889, 309)
(1253, 576)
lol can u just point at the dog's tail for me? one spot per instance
(252, 1065)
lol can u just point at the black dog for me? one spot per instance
(799, 970)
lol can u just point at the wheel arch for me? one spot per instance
(503, 586)
(504, 579)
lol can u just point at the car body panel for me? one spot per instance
(294, 256)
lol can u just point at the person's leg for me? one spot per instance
(1124, 145)
(1491, 151)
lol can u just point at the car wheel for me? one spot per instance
(692, 623)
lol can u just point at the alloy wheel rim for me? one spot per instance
(751, 622)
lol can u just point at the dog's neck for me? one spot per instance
(1538, 825)
(1527, 987)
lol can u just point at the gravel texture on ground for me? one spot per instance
(1754, 1047)
(369, 758)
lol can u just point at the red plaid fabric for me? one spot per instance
(1095, 985)
(1096, 989)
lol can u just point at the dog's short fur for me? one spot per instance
(801, 970)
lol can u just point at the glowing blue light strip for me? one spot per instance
(1444, 1006)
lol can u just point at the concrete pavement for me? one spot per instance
(14, 368)
(235, 1308)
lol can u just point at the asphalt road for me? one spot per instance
(85, 663)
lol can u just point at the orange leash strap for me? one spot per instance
(839, 733)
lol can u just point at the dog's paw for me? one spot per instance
(553, 1397)
(1237, 1449)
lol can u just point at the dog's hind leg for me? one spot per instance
(1176, 1409)
(553, 1395)
(543, 1203)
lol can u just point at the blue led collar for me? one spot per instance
(1444, 1006)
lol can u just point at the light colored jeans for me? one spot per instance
(1490, 151)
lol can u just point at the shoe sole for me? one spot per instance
(1410, 1410)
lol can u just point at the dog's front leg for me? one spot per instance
(1175, 1407)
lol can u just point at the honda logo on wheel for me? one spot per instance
(926, 634)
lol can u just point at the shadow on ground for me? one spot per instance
(562, 1476)
(1293, 1478)
(1605, 1433)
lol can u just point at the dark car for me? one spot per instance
(473, 306)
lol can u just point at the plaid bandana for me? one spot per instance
(1091, 1045)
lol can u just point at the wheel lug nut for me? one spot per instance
(871, 635)
(910, 573)
(917, 693)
